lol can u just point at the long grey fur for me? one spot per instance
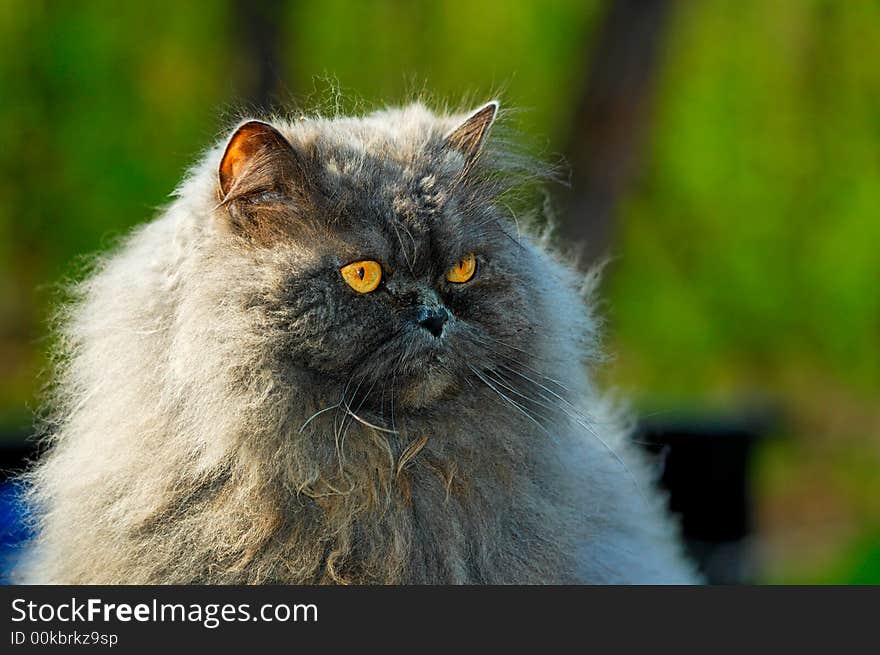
(227, 410)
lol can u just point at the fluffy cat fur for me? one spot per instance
(227, 410)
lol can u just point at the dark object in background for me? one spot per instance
(706, 470)
(612, 119)
(259, 25)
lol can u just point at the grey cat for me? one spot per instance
(336, 359)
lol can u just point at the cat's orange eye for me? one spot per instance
(463, 270)
(363, 276)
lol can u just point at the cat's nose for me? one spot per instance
(433, 319)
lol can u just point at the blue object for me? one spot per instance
(14, 530)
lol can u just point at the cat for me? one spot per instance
(335, 358)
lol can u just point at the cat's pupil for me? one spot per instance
(361, 272)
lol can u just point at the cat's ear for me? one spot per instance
(257, 158)
(469, 136)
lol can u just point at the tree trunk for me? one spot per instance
(611, 119)
(260, 25)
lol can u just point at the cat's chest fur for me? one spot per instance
(424, 506)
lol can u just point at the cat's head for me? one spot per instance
(394, 269)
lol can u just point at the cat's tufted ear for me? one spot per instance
(257, 159)
(468, 137)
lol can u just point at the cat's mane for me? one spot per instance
(174, 456)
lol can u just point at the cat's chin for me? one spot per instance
(431, 386)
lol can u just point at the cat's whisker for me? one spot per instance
(512, 403)
(582, 421)
(515, 222)
(345, 432)
(488, 346)
(469, 383)
(402, 246)
(411, 238)
(515, 362)
(569, 411)
(506, 384)
(316, 414)
(576, 410)
(393, 382)
(353, 414)
(566, 407)
(370, 425)
(337, 405)
(538, 384)
(339, 426)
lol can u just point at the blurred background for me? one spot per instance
(725, 155)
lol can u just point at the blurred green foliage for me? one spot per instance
(746, 254)
(757, 220)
